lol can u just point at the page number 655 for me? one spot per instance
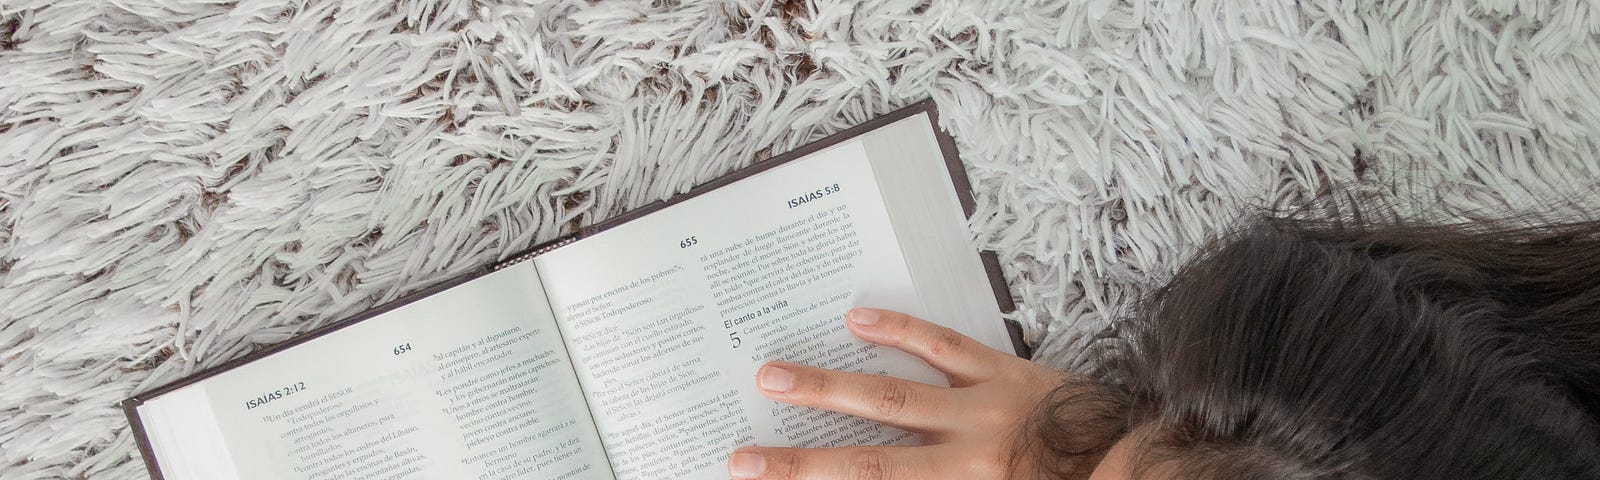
(687, 242)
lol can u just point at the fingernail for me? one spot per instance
(862, 316)
(746, 465)
(776, 379)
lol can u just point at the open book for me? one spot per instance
(627, 351)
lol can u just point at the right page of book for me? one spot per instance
(667, 317)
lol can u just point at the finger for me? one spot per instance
(965, 360)
(905, 404)
(854, 463)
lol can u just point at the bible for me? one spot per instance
(625, 351)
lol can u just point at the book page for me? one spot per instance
(470, 383)
(669, 316)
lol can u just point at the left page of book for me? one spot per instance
(469, 383)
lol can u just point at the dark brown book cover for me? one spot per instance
(947, 146)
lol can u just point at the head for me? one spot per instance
(1292, 348)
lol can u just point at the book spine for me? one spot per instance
(531, 254)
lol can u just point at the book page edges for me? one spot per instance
(990, 260)
(191, 441)
(141, 439)
(931, 221)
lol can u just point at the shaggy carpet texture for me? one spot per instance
(182, 182)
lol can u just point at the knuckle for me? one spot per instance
(813, 384)
(898, 320)
(869, 465)
(784, 467)
(945, 342)
(891, 400)
(902, 325)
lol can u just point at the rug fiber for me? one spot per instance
(182, 182)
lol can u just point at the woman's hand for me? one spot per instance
(971, 429)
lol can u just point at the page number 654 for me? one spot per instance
(687, 242)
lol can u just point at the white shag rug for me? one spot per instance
(184, 181)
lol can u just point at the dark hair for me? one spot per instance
(1358, 348)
